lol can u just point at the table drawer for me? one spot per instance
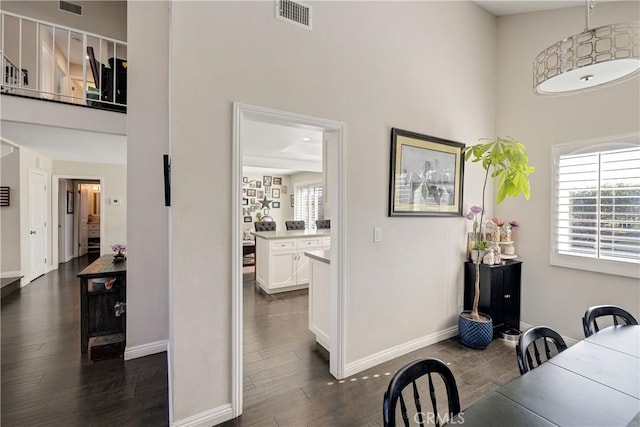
(282, 245)
(308, 243)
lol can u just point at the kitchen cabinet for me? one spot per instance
(280, 261)
(499, 293)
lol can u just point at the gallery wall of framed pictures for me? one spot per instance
(266, 195)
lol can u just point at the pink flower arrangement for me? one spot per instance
(514, 223)
(119, 248)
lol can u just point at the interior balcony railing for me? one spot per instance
(48, 61)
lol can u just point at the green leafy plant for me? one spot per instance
(506, 160)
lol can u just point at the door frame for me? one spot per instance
(55, 189)
(336, 133)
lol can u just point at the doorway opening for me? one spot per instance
(331, 175)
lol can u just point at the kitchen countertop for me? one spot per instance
(322, 256)
(291, 234)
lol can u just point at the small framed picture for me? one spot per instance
(245, 202)
(244, 191)
(276, 204)
(283, 189)
(253, 208)
(277, 181)
(252, 201)
(266, 211)
(251, 192)
(247, 218)
(259, 194)
(267, 190)
(252, 185)
(258, 184)
(292, 199)
(245, 179)
(275, 193)
(266, 180)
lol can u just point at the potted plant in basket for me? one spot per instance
(506, 160)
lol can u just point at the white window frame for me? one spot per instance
(619, 268)
(297, 185)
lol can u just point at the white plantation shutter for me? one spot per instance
(309, 204)
(597, 206)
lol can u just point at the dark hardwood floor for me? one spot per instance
(46, 381)
(287, 380)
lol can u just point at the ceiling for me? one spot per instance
(506, 7)
(67, 144)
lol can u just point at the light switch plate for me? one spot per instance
(377, 234)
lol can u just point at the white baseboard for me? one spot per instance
(208, 418)
(568, 340)
(145, 349)
(6, 274)
(399, 350)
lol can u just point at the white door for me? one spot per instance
(37, 224)
(83, 227)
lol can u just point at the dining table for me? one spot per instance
(595, 382)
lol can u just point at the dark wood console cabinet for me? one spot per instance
(499, 293)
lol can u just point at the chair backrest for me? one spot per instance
(294, 225)
(323, 223)
(265, 225)
(589, 320)
(529, 339)
(408, 375)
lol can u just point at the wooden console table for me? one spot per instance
(102, 311)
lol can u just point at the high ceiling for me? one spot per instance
(505, 7)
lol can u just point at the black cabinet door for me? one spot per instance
(499, 293)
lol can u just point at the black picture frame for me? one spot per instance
(276, 205)
(69, 202)
(277, 181)
(266, 180)
(275, 193)
(292, 200)
(247, 218)
(426, 175)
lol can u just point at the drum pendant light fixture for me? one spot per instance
(588, 60)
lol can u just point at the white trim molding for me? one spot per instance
(399, 350)
(145, 349)
(208, 418)
(337, 141)
(10, 274)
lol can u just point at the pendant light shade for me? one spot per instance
(595, 57)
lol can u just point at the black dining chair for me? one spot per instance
(295, 225)
(589, 320)
(265, 225)
(409, 376)
(323, 224)
(529, 340)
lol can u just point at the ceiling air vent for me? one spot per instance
(294, 12)
(76, 9)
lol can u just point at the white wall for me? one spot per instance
(422, 66)
(114, 187)
(10, 215)
(147, 140)
(555, 296)
(105, 18)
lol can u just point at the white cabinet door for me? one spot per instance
(282, 269)
(302, 269)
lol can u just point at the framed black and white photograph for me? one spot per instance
(247, 218)
(245, 179)
(292, 200)
(259, 194)
(426, 175)
(275, 193)
(258, 184)
(251, 192)
(252, 201)
(276, 204)
(277, 181)
(245, 202)
(266, 180)
(69, 202)
(267, 190)
(253, 208)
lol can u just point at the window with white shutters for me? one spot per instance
(596, 218)
(309, 204)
